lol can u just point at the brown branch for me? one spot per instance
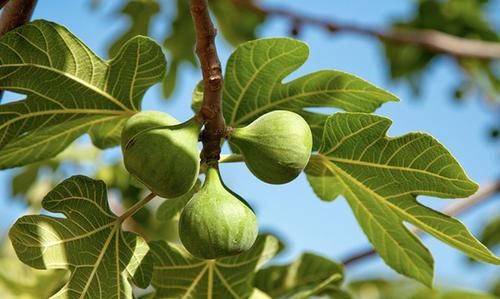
(432, 40)
(464, 205)
(15, 13)
(211, 110)
(2, 3)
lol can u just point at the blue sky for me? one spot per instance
(306, 223)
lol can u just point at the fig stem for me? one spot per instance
(232, 158)
(136, 207)
(211, 109)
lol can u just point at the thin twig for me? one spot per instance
(464, 205)
(211, 110)
(136, 207)
(431, 40)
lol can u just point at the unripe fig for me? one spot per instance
(161, 154)
(216, 222)
(275, 147)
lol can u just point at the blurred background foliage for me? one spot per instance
(238, 21)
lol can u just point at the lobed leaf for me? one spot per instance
(88, 242)
(380, 178)
(69, 90)
(177, 274)
(307, 276)
(254, 84)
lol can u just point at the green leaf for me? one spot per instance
(70, 91)
(140, 13)
(380, 178)
(490, 236)
(236, 21)
(18, 281)
(171, 208)
(322, 180)
(466, 295)
(88, 242)
(253, 83)
(307, 276)
(180, 45)
(179, 275)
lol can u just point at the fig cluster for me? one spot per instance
(163, 154)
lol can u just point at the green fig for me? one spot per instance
(160, 153)
(216, 222)
(276, 146)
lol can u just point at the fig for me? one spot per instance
(216, 222)
(160, 153)
(276, 146)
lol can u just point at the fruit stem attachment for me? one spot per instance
(211, 109)
(136, 207)
(232, 158)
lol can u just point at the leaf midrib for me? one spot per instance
(392, 167)
(65, 111)
(71, 77)
(339, 171)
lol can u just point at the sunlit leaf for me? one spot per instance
(254, 84)
(180, 275)
(307, 276)
(380, 177)
(70, 91)
(88, 242)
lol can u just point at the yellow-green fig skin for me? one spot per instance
(276, 146)
(166, 160)
(215, 222)
(143, 121)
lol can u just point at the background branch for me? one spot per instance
(432, 40)
(486, 192)
(211, 109)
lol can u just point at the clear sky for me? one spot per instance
(306, 223)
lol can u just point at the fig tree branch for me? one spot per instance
(431, 40)
(486, 192)
(2, 3)
(15, 13)
(211, 110)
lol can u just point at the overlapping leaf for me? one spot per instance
(307, 276)
(254, 84)
(179, 275)
(380, 178)
(88, 242)
(171, 208)
(70, 91)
